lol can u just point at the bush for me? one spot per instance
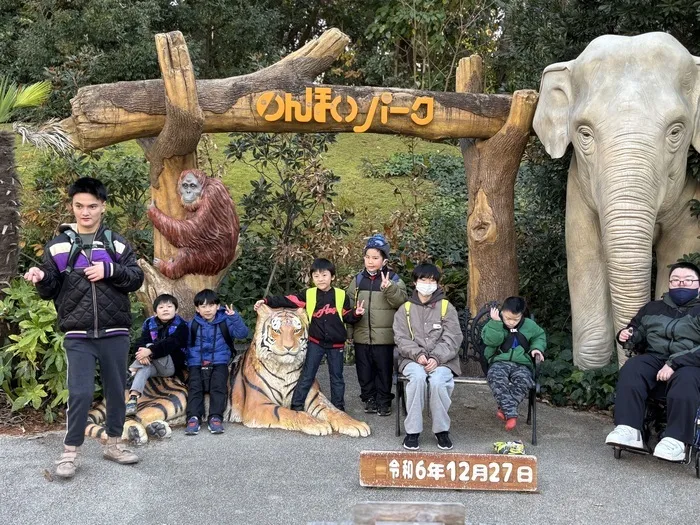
(32, 366)
(564, 384)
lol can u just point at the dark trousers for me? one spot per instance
(638, 378)
(314, 354)
(375, 368)
(217, 388)
(82, 354)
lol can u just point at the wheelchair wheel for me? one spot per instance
(617, 452)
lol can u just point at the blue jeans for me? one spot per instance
(314, 354)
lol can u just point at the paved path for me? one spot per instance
(248, 476)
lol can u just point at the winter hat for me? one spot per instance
(378, 242)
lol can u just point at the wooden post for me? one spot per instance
(492, 166)
(174, 150)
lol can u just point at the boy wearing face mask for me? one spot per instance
(668, 333)
(510, 340)
(382, 292)
(428, 337)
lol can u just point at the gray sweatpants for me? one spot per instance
(82, 354)
(441, 383)
(162, 367)
(510, 383)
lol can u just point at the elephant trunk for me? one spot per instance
(627, 219)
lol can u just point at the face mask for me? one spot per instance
(426, 289)
(680, 296)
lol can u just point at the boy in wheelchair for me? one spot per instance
(666, 334)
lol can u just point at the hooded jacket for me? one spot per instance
(90, 309)
(433, 337)
(210, 347)
(375, 327)
(495, 333)
(668, 331)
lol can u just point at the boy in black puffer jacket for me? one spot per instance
(161, 349)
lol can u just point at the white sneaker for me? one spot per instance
(670, 449)
(626, 437)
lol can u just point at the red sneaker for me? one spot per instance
(510, 423)
(500, 415)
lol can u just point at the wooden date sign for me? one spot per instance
(448, 470)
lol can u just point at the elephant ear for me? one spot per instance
(696, 131)
(551, 122)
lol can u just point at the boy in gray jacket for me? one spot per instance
(428, 337)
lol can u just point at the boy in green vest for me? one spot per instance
(328, 309)
(510, 340)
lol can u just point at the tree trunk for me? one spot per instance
(9, 217)
(110, 113)
(9, 210)
(173, 151)
(492, 166)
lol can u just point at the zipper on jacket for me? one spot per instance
(369, 309)
(92, 285)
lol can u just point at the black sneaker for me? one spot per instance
(444, 441)
(384, 410)
(410, 442)
(370, 407)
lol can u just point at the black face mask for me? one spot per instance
(681, 296)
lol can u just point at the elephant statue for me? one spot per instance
(629, 105)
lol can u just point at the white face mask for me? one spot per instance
(426, 288)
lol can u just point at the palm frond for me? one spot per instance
(33, 94)
(8, 94)
(50, 136)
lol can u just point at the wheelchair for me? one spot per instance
(654, 425)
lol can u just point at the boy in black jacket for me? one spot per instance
(160, 351)
(328, 309)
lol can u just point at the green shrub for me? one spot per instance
(32, 365)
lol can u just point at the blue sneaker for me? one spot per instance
(192, 428)
(216, 426)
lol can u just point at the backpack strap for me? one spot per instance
(227, 337)
(310, 302)
(358, 280)
(194, 327)
(109, 245)
(407, 307)
(339, 302)
(76, 246)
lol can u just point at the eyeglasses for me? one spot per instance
(677, 282)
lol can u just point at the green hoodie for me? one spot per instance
(494, 334)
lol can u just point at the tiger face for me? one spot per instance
(281, 335)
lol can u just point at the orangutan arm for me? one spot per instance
(180, 232)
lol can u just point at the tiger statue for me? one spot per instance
(162, 404)
(263, 384)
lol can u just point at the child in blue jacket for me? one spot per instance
(209, 352)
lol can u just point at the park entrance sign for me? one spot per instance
(168, 116)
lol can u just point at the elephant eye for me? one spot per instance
(585, 138)
(675, 135)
